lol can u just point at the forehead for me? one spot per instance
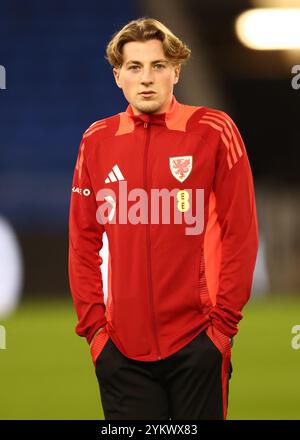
(143, 51)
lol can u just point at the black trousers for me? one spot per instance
(190, 384)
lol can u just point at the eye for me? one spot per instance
(159, 66)
(134, 67)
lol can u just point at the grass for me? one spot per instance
(265, 382)
(46, 371)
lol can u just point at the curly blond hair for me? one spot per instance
(144, 29)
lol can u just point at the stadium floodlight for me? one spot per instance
(276, 3)
(269, 28)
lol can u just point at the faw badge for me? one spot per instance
(181, 167)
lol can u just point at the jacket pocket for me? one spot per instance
(221, 341)
(98, 344)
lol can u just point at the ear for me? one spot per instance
(177, 73)
(116, 72)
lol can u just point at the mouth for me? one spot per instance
(147, 94)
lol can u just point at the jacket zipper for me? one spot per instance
(148, 243)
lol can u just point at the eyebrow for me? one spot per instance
(153, 62)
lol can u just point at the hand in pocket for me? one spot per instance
(220, 340)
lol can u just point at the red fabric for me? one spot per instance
(98, 343)
(165, 286)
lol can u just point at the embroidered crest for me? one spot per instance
(181, 167)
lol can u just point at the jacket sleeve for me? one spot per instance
(237, 218)
(85, 243)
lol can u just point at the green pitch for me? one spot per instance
(46, 371)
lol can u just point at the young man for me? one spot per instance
(171, 185)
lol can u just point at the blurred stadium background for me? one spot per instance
(57, 84)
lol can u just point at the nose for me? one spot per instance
(147, 77)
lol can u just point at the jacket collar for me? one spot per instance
(157, 119)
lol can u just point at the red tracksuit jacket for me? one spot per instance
(165, 284)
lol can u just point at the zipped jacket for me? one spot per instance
(174, 193)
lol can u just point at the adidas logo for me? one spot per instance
(114, 175)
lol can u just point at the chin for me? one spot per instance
(147, 106)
